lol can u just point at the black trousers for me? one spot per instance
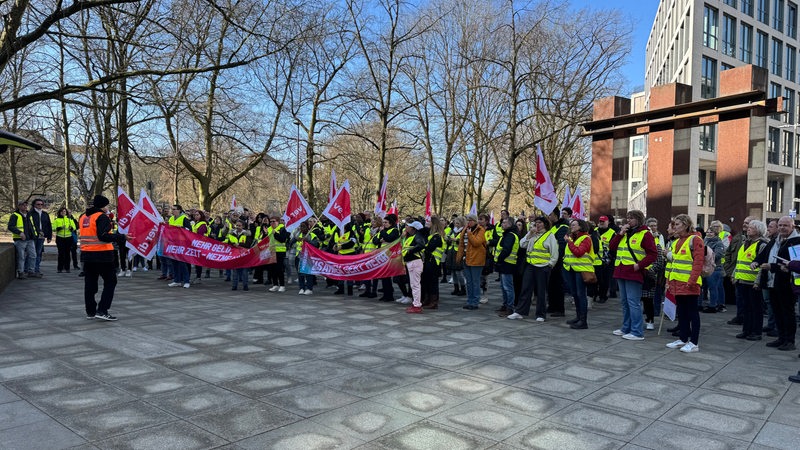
(688, 318)
(276, 272)
(534, 281)
(753, 314)
(92, 272)
(782, 300)
(555, 290)
(63, 244)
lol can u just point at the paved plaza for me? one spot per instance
(206, 367)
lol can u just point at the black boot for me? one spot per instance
(575, 320)
(339, 291)
(350, 290)
(462, 292)
(580, 324)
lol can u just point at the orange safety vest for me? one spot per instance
(88, 235)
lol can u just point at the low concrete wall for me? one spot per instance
(8, 265)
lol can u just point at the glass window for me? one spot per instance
(712, 188)
(731, 3)
(773, 145)
(746, 50)
(710, 24)
(777, 15)
(728, 35)
(708, 78)
(638, 147)
(786, 148)
(791, 62)
(708, 137)
(723, 67)
(789, 98)
(747, 7)
(701, 187)
(791, 21)
(761, 49)
(774, 195)
(775, 91)
(762, 9)
(777, 57)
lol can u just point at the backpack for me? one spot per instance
(709, 265)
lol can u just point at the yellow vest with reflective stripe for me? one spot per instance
(625, 249)
(746, 256)
(539, 254)
(21, 225)
(512, 258)
(232, 238)
(279, 246)
(447, 232)
(298, 243)
(196, 226)
(341, 239)
(682, 260)
(66, 223)
(584, 263)
(177, 221)
(438, 251)
(605, 239)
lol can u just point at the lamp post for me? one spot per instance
(793, 161)
(298, 173)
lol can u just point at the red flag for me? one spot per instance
(183, 245)
(578, 210)
(380, 205)
(235, 204)
(428, 206)
(670, 305)
(338, 210)
(145, 232)
(393, 209)
(491, 217)
(545, 193)
(384, 262)
(125, 210)
(332, 192)
(147, 205)
(297, 210)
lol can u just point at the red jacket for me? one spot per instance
(583, 248)
(624, 272)
(698, 255)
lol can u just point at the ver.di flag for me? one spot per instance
(384, 262)
(148, 206)
(670, 305)
(567, 199)
(297, 210)
(332, 191)
(144, 232)
(380, 205)
(474, 209)
(126, 208)
(428, 206)
(545, 193)
(578, 210)
(338, 210)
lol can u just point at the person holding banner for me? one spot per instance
(239, 237)
(388, 235)
(369, 246)
(278, 238)
(180, 269)
(97, 254)
(345, 244)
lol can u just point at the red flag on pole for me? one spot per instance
(578, 210)
(380, 205)
(297, 210)
(147, 205)
(567, 199)
(393, 209)
(338, 210)
(332, 192)
(491, 217)
(428, 206)
(545, 193)
(126, 208)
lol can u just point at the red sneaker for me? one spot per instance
(414, 310)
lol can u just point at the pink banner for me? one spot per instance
(183, 245)
(384, 262)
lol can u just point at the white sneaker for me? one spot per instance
(484, 299)
(282, 289)
(273, 288)
(127, 273)
(174, 284)
(406, 300)
(514, 316)
(650, 326)
(690, 348)
(121, 273)
(134, 269)
(676, 344)
(617, 333)
(186, 285)
(540, 319)
(632, 337)
(144, 269)
(308, 292)
(401, 299)
(302, 291)
(450, 280)
(361, 287)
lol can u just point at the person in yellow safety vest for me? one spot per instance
(605, 259)
(97, 254)
(729, 266)
(278, 239)
(23, 231)
(345, 243)
(579, 257)
(180, 269)
(505, 262)
(745, 279)
(686, 253)
(199, 226)
(64, 227)
(454, 266)
(413, 250)
(541, 255)
(259, 228)
(556, 284)
(369, 245)
(239, 237)
(432, 264)
(447, 276)
(636, 250)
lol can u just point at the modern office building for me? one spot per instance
(692, 42)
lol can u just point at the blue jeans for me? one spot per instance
(716, 291)
(239, 274)
(26, 256)
(630, 293)
(39, 250)
(473, 277)
(181, 270)
(507, 284)
(577, 288)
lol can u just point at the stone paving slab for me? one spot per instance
(200, 368)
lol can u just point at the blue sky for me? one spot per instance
(641, 13)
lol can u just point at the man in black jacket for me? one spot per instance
(780, 281)
(97, 254)
(44, 228)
